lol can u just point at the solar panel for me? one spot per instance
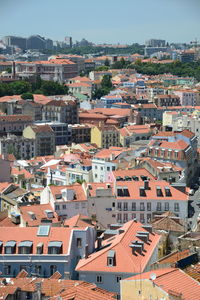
(43, 231)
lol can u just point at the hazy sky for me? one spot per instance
(110, 21)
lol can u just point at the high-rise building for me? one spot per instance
(15, 41)
(68, 41)
(155, 43)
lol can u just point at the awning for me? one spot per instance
(25, 244)
(10, 244)
(55, 244)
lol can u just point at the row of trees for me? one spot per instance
(37, 87)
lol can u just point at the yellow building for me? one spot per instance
(105, 136)
(168, 284)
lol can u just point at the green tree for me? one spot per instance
(20, 87)
(107, 63)
(53, 88)
(26, 96)
(106, 82)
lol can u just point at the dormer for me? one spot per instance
(68, 194)
(49, 213)
(142, 192)
(111, 258)
(25, 247)
(159, 192)
(55, 247)
(32, 215)
(168, 191)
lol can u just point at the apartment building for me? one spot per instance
(177, 148)
(20, 147)
(131, 133)
(105, 136)
(67, 201)
(188, 97)
(54, 69)
(43, 250)
(131, 249)
(14, 124)
(44, 137)
(79, 133)
(167, 100)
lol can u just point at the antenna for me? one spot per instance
(152, 276)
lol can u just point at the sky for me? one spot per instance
(104, 21)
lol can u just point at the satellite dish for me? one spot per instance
(152, 276)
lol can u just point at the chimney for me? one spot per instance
(99, 242)
(146, 185)
(13, 70)
(86, 251)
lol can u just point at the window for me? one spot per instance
(108, 168)
(54, 247)
(118, 278)
(159, 206)
(142, 220)
(125, 218)
(133, 216)
(53, 269)
(79, 242)
(133, 205)
(38, 270)
(64, 206)
(10, 247)
(142, 206)
(77, 205)
(119, 205)
(166, 206)
(119, 218)
(6, 270)
(113, 168)
(99, 279)
(83, 205)
(125, 206)
(101, 168)
(176, 206)
(24, 267)
(95, 175)
(57, 207)
(110, 262)
(148, 218)
(149, 206)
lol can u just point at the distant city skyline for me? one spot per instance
(106, 22)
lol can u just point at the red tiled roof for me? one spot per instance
(78, 220)
(126, 261)
(174, 282)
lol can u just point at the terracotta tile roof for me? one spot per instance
(56, 103)
(16, 172)
(78, 220)
(126, 261)
(39, 213)
(94, 186)
(41, 128)
(168, 222)
(15, 118)
(3, 186)
(174, 257)
(174, 282)
(20, 234)
(77, 188)
(7, 223)
(193, 271)
(133, 172)
(187, 133)
(151, 193)
(91, 116)
(107, 153)
(111, 111)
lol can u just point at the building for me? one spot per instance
(178, 148)
(105, 136)
(60, 131)
(60, 111)
(66, 201)
(79, 133)
(54, 69)
(14, 124)
(132, 133)
(43, 250)
(44, 138)
(16, 41)
(155, 43)
(169, 284)
(167, 100)
(20, 147)
(131, 249)
(40, 43)
(109, 100)
(188, 97)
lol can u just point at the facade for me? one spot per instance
(130, 250)
(33, 109)
(79, 133)
(21, 147)
(105, 136)
(16, 41)
(38, 42)
(108, 101)
(132, 133)
(14, 124)
(169, 284)
(44, 137)
(167, 100)
(60, 111)
(55, 70)
(60, 131)
(188, 97)
(178, 148)
(43, 250)
(67, 201)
